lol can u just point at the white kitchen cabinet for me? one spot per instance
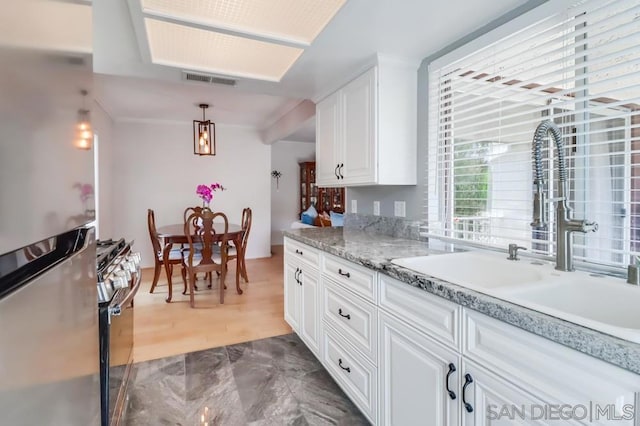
(417, 375)
(489, 400)
(292, 295)
(366, 132)
(355, 374)
(424, 348)
(546, 371)
(310, 315)
(329, 153)
(507, 371)
(302, 295)
(358, 163)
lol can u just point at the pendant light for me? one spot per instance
(204, 135)
(84, 135)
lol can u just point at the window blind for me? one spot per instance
(577, 64)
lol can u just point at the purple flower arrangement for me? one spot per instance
(206, 191)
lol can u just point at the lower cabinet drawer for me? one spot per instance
(355, 278)
(357, 376)
(353, 317)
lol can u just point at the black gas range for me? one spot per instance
(118, 282)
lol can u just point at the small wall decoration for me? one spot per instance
(276, 175)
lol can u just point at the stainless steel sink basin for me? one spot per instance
(605, 304)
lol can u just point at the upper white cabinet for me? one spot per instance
(327, 130)
(366, 131)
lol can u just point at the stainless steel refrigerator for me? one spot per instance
(49, 360)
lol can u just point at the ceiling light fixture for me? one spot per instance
(204, 135)
(84, 135)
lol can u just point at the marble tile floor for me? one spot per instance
(274, 381)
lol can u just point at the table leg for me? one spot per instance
(169, 269)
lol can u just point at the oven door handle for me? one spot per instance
(117, 310)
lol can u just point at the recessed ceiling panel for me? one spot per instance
(297, 21)
(196, 49)
(47, 25)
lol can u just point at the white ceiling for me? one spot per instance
(410, 29)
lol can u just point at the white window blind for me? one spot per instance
(578, 66)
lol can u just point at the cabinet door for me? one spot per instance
(310, 321)
(328, 143)
(359, 130)
(415, 377)
(496, 402)
(292, 294)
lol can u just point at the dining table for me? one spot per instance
(174, 234)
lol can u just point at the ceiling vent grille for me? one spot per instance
(205, 78)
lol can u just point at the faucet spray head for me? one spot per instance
(539, 210)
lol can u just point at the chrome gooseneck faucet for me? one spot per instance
(565, 225)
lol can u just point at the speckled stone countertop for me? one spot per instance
(376, 251)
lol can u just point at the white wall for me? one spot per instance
(285, 156)
(154, 167)
(103, 127)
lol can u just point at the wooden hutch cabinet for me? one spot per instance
(323, 199)
(308, 188)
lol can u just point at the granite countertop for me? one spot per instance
(375, 251)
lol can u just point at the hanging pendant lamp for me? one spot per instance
(204, 135)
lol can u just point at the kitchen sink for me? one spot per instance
(477, 270)
(605, 304)
(602, 303)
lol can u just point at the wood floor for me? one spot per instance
(164, 329)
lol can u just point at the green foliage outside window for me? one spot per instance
(471, 178)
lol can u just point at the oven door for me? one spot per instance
(118, 356)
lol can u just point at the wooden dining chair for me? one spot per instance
(234, 252)
(163, 256)
(199, 229)
(189, 210)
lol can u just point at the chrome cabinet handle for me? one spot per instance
(467, 381)
(451, 393)
(299, 252)
(347, 316)
(344, 274)
(347, 369)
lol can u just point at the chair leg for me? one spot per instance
(169, 269)
(221, 285)
(244, 270)
(184, 279)
(156, 275)
(238, 267)
(192, 284)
